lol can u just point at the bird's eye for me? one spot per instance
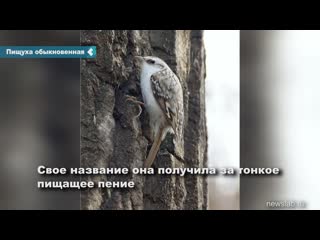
(150, 61)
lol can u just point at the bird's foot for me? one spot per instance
(134, 100)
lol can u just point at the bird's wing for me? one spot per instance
(166, 90)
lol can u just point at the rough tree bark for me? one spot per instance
(111, 135)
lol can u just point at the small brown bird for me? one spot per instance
(163, 99)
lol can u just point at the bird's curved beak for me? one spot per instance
(138, 61)
(138, 58)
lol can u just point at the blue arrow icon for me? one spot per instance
(90, 52)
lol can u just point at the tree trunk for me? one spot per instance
(111, 134)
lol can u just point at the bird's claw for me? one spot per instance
(134, 100)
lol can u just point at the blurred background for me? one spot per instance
(280, 113)
(38, 101)
(222, 109)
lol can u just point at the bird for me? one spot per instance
(163, 99)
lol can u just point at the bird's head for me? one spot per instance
(151, 64)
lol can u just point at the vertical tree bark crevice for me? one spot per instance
(111, 134)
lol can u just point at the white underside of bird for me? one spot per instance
(157, 118)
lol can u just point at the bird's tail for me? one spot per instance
(154, 149)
